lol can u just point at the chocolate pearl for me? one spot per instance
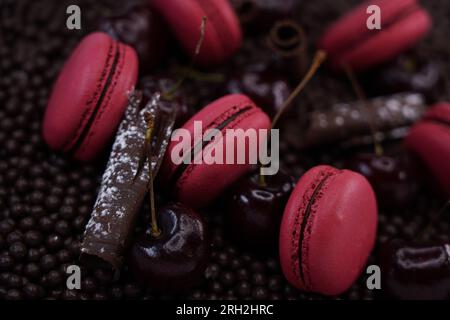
(223, 259)
(6, 262)
(116, 293)
(259, 279)
(132, 291)
(6, 226)
(99, 296)
(89, 285)
(243, 274)
(54, 242)
(34, 255)
(48, 262)
(244, 289)
(2, 242)
(18, 268)
(103, 276)
(32, 270)
(79, 223)
(54, 278)
(260, 293)
(37, 197)
(228, 279)
(67, 212)
(33, 291)
(14, 281)
(212, 271)
(27, 223)
(62, 228)
(46, 224)
(18, 250)
(18, 210)
(33, 238)
(69, 295)
(52, 202)
(64, 256)
(15, 236)
(14, 294)
(216, 287)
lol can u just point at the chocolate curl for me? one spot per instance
(288, 42)
(346, 123)
(122, 191)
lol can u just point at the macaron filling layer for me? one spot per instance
(391, 21)
(195, 150)
(114, 55)
(306, 216)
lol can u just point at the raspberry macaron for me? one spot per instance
(328, 230)
(349, 41)
(199, 180)
(430, 140)
(223, 35)
(90, 96)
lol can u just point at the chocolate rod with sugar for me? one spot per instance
(345, 124)
(122, 192)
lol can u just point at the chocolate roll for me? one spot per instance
(122, 190)
(348, 124)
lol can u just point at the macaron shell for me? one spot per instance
(112, 107)
(431, 141)
(349, 28)
(349, 42)
(75, 95)
(339, 235)
(201, 183)
(388, 43)
(223, 35)
(343, 233)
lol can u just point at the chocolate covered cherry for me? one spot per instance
(175, 259)
(141, 28)
(395, 179)
(415, 271)
(255, 209)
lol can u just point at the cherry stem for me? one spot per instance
(155, 231)
(169, 94)
(319, 57)
(433, 220)
(361, 96)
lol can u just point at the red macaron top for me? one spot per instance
(328, 230)
(196, 184)
(90, 95)
(223, 35)
(349, 42)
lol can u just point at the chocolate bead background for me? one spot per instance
(46, 199)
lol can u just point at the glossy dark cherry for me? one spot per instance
(406, 74)
(176, 260)
(141, 28)
(151, 84)
(254, 211)
(258, 16)
(395, 179)
(415, 271)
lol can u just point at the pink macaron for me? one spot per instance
(430, 140)
(199, 181)
(223, 34)
(90, 96)
(349, 41)
(328, 230)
